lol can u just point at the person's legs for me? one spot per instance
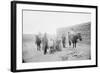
(69, 43)
(64, 45)
(45, 49)
(73, 45)
(39, 46)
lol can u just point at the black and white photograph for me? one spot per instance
(48, 36)
(56, 36)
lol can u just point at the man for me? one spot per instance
(64, 41)
(38, 42)
(45, 43)
(72, 37)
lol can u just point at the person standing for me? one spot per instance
(45, 43)
(64, 41)
(38, 42)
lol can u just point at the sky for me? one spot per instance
(41, 21)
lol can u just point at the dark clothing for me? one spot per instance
(64, 41)
(38, 42)
(45, 48)
(45, 44)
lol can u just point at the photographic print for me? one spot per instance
(53, 36)
(56, 36)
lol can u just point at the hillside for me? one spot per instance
(84, 29)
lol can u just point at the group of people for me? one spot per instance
(53, 44)
(46, 43)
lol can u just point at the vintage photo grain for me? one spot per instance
(49, 36)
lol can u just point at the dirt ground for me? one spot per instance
(30, 53)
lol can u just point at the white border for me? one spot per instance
(21, 65)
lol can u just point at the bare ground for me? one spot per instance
(30, 53)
